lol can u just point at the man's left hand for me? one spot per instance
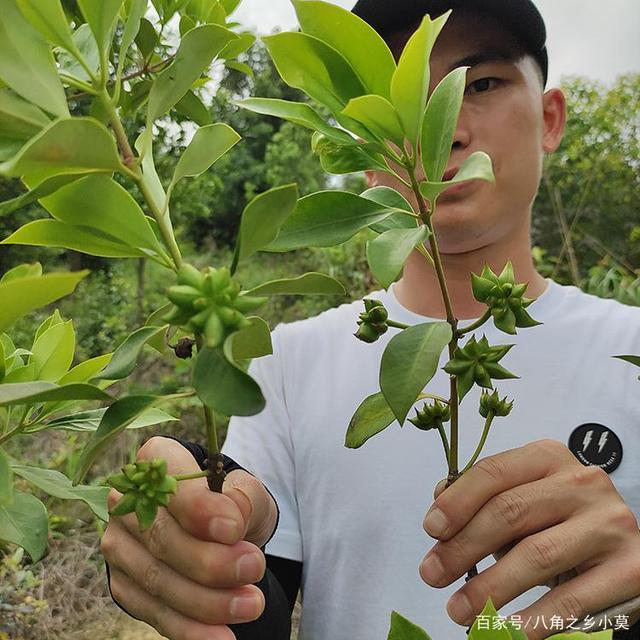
(554, 515)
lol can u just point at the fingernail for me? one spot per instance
(432, 569)
(224, 530)
(460, 609)
(249, 568)
(435, 523)
(245, 607)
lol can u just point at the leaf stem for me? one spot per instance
(397, 325)
(475, 325)
(485, 433)
(18, 427)
(191, 476)
(445, 444)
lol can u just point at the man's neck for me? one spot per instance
(419, 291)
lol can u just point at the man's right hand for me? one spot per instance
(192, 572)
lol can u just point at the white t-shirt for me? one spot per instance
(354, 517)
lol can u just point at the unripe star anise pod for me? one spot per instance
(477, 363)
(210, 302)
(490, 402)
(504, 298)
(146, 486)
(373, 322)
(431, 416)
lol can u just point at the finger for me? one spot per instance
(530, 563)
(258, 508)
(168, 622)
(455, 506)
(200, 511)
(512, 515)
(587, 594)
(211, 564)
(209, 606)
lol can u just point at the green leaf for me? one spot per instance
(209, 144)
(262, 220)
(146, 38)
(241, 67)
(403, 629)
(309, 283)
(191, 107)
(88, 421)
(44, 189)
(101, 16)
(21, 373)
(115, 420)
(229, 6)
(579, 635)
(308, 64)
(378, 115)
(371, 417)
(25, 522)
(388, 253)
(57, 484)
(482, 628)
(6, 480)
(2, 361)
(87, 47)
(394, 200)
(54, 319)
(40, 391)
(27, 270)
(359, 44)
(327, 219)
(631, 359)
(53, 233)
(77, 145)
(197, 50)
(408, 363)
(18, 118)
(476, 167)
(124, 358)
(53, 351)
(49, 19)
(244, 42)
(20, 296)
(410, 82)
(254, 341)
(440, 122)
(136, 12)
(350, 158)
(27, 64)
(100, 203)
(299, 113)
(86, 370)
(224, 387)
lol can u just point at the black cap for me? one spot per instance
(521, 17)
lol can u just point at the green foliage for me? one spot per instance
(409, 361)
(372, 416)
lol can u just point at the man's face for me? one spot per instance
(504, 113)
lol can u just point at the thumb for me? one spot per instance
(256, 505)
(440, 487)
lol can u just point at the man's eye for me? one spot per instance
(482, 85)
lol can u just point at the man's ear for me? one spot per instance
(555, 118)
(372, 179)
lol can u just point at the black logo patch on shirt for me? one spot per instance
(595, 444)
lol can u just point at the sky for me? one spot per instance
(591, 38)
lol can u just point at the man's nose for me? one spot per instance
(462, 135)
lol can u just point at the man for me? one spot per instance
(350, 522)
